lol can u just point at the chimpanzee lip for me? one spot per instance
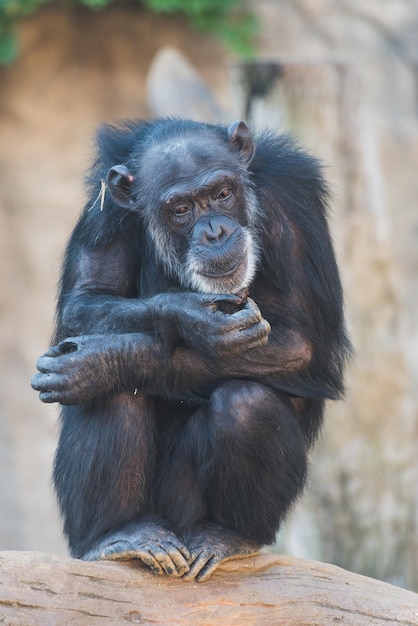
(222, 274)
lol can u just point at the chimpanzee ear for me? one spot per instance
(119, 183)
(241, 137)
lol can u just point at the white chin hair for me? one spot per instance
(227, 284)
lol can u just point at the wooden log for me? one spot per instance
(38, 588)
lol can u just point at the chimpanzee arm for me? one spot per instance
(99, 291)
(119, 340)
(100, 295)
(83, 368)
(99, 306)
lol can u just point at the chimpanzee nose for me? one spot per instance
(215, 229)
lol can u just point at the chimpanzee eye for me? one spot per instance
(180, 211)
(225, 193)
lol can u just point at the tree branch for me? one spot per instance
(38, 588)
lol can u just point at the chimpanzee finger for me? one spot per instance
(48, 397)
(256, 343)
(184, 550)
(159, 557)
(62, 397)
(245, 338)
(119, 552)
(44, 382)
(207, 571)
(45, 363)
(238, 297)
(179, 559)
(37, 382)
(49, 359)
(257, 331)
(252, 308)
(164, 560)
(227, 298)
(148, 559)
(197, 565)
(53, 351)
(247, 316)
(48, 381)
(58, 363)
(52, 388)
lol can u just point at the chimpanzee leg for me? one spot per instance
(259, 462)
(248, 455)
(104, 470)
(103, 465)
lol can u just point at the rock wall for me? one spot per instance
(78, 69)
(361, 117)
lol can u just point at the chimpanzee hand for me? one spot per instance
(203, 326)
(148, 541)
(210, 545)
(75, 371)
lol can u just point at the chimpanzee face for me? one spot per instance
(198, 206)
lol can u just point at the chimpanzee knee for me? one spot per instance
(239, 407)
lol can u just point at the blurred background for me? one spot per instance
(342, 75)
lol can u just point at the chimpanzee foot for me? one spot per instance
(210, 545)
(148, 541)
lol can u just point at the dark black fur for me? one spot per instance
(169, 445)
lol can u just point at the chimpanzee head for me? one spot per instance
(193, 190)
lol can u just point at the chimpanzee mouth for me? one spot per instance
(224, 274)
(215, 273)
(229, 272)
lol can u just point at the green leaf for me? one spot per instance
(95, 4)
(8, 48)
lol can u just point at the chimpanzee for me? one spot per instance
(199, 332)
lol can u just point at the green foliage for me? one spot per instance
(230, 20)
(192, 8)
(8, 47)
(18, 8)
(11, 11)
(95, 4)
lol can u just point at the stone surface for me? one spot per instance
(175, 89)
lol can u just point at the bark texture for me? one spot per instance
(37, 588)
